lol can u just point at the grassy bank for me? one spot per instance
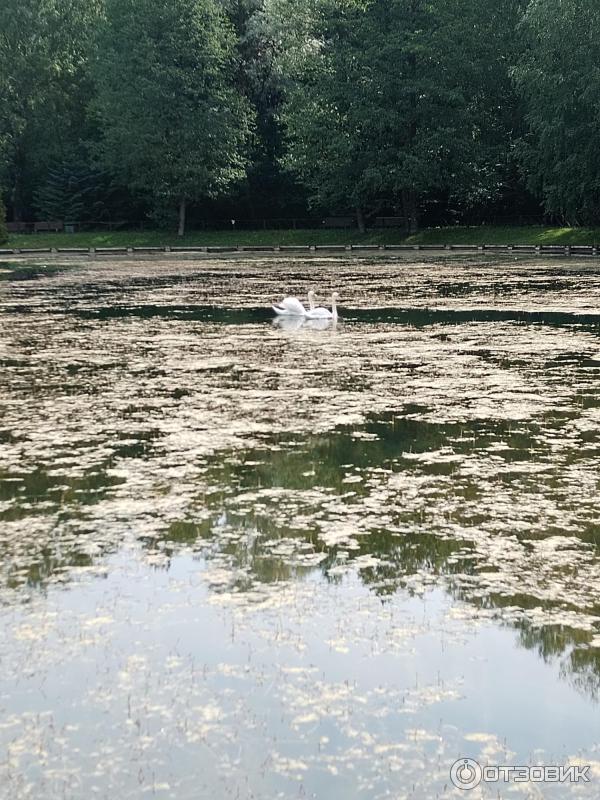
(456, 235)
(490, 234)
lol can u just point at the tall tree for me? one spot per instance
(174, 125)
(559, 78)
(268, 185)
(384, 101)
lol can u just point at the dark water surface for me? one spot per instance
(247, 561)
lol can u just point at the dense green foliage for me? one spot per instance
(173, 125)
(385, 109)
(434, 110)
(45, 89)
(559, 75)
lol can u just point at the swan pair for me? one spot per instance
(292, 307)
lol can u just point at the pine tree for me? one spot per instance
(62, 196)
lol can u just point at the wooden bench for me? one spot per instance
(338, 222)
(17, 227)
(390, 222)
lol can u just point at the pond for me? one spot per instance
(241, 560)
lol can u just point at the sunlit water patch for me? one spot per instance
(241, 560)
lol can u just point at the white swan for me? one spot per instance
(292, 307)
(324, 313)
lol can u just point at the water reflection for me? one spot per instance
(297, 534)
(292, 324)
(27, 272)
(335, 503)
(402, 316)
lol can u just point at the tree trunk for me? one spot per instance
(409, 205)
(18, 193)
(360, 221)
(182, 210)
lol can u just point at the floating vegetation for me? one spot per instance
(278, 563)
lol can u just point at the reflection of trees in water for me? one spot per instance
(33, 554)
(316, 461)
(255, 536)
(246, 538)
(243, 544)
(400, 557)
(581, 663)
(26, 272)
(582, 670)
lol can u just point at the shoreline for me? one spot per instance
(310, 251)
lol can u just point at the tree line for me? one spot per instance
(422, 109)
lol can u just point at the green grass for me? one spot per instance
(196, 238)
(493, 234)
(455, 235)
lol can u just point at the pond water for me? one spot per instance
(240, 560)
